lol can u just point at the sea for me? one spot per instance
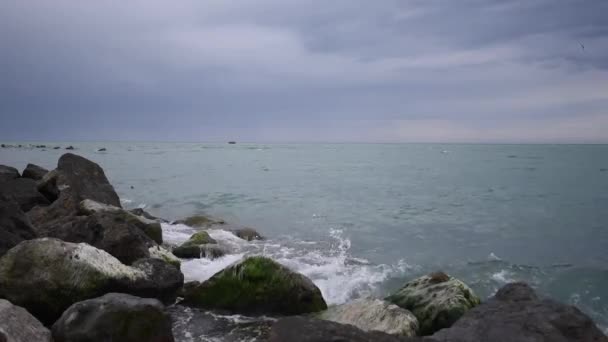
(363, 219)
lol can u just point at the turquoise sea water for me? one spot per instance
(364, 218)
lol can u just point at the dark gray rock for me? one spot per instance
(14, 225)
(163, 280)
(8, 172)
(145, 214)
(34, 172)
(516, 314)
(209, 251)
(24, 192)
(248, 234)
(114, 317)
(18, 325)
(304, 329)
(69, 147)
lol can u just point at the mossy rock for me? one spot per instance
(437, 300)
(200, 221)
(210, 251)
(257, 285)
(248, 234)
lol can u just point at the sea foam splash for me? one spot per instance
(338, 274)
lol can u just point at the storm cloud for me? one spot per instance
(276, 70)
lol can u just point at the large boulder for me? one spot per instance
(437, 300)
(257, 285)
(14, 225)
(305, 329)
(24, 192)
(373, 315)
(18, 325)
(74, 180)
(515, 313)
(115, 317)
(48, 275)
(34, 172)
(163, 280)
(199, 245)
(8, 172)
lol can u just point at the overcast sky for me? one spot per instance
(314, 70)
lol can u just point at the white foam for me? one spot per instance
(503, 277)
(176, 234)
(203, 269)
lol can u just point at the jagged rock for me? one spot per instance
(115, 317)
(8, 172)
(18, 325)
(163, 280)
(305, 329)
(248, 234)
(437, 300)
(14, 225)
(34, 172)
(373, 315)
(48, 275)
(257, 285)
(200, 221)
(24, 192)
(516, 314)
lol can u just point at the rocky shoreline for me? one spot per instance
(76, 266)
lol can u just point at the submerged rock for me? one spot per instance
(14, 225)
(373, 315)
(305, 329)
(248, 234)
(34, 172)
(48, 275)
(8, 172)
(18, 325)
(200, 221)
(516, 314)
(114, 317)
(257, 285)
(24, 192)
(199, 245)
(437, 300)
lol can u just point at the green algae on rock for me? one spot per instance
(256, 285)
(437, 300)
(197, 245)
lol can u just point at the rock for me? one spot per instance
(18, 325)
(150, 227)
(162, 281)
(159, 252)
(34, 172)
(200, 243)
(248, 234)
(257, 285)
(145, 214)
(305, 329)
(8, 172)
(103, 149)
(47, 275)
(209, 251)
(14, 225)
(24, 192)
(373, 315)
(516, 314)
(69, 147)
(437, 300)
(199, 221)
(74, 180)
(56, 147)
(114, 317)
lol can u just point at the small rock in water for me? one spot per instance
(103, 149)
(69, 147)
(199, 221)
(248, 234)
(132, 187)
(56, 147)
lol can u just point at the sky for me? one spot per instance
(530, 71)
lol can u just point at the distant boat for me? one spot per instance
(232, 142)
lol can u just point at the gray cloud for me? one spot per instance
(305, 70)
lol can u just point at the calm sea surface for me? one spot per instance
(362, 219)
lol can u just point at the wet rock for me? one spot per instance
(373, 315)
(257, 285)
(56, 147)
(14, 225)
(437, 300)
(114, 317)
(200, 221)
(8, 172)
(103, 149)
(516, 314)
(46, 276)
(305, 329)
(209, 251)
(34, 172)
(162, 281)
(248, 234)
(24, 192)
(18, 325)
(69, 147)
(145, 214)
